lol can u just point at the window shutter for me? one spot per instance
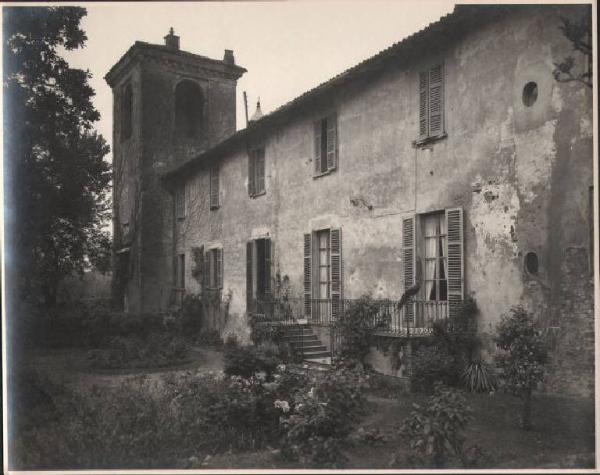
(335, 237)
(249, 283)
(260, 171)
(214, 187)
(318, 147)
(436, 100)
(251, 174)
(331, 142)
(219, 268)
(268, 263)
(455, 253)
(409, 261)
(423, 114)
(207, 278)
(307, 274)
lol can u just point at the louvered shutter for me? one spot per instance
(409, 261)
(455, 253)
(249, 283)
(260, 171)
(335, 237)
(214, 187)
(436, 100)
(423, 110)
(307, 274)
(318, 147)
(331, 142)
(207, 280)
(219, 267)
(268, 263)
(251, 173)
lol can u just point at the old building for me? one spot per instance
(453, 159)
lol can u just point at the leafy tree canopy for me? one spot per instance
(56, 180)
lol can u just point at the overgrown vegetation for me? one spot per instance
(522, 357)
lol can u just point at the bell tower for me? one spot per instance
(169, 105)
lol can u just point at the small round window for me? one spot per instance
(532, 264)
(530, 93)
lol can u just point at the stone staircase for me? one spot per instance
(304, 341)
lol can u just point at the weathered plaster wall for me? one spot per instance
(520, 173)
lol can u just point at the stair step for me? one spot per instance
(306, 348)
(319, 363)
(315, 354)
(306, 338)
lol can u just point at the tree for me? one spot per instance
(522, 357)
(56, 180)
(579, 33)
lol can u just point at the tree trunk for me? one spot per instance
(526, 417)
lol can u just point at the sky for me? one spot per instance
(287, 47)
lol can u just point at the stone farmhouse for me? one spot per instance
(452, 159)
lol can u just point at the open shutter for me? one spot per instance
(423, 110)
(251, 173)
(214, 187)
(331, 142)
(268, 261)
(260, 171)
(436, 100)
(307, 274)
(318, 147)
(409, 262)
(219, 269)
(207, 280)
(249, 283)
(335, 237)
(455, 253)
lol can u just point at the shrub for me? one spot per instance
(479, 377)
(523, 354)
(434, 432)
(355, 326)
(431, 364)
(247, 360)
(320, 418)
(209, 337)
(192, 313)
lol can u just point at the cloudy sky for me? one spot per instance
(287, 47)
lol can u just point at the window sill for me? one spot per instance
(214, 207)
(180, 218)
(429, 140)
(327, 172)
(256, 195)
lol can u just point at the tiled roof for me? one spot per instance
(404, 50)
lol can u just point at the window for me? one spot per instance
(180, 271)
(256, 172)
(180, 202)
(432, 254)
(326, 149)
(431, 102)
(214, 187)
(189, 105)
(126, 112)
(258, 271)
(213, 262)
(323, 275)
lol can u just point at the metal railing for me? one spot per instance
(417, 317)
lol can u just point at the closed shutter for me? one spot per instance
(207, 280)
(307, 274)
(260, 171)
(423, 111)
(268, 263)
(219, 268)
(318, 147)
(249, 283)
(409, 261)
(455, 253)
(331, 142)
(214, 187)
(335, 237)
(436, 100)
(251, 174)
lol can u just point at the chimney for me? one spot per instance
(228, 57)
(258, 113)
(172, 40)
